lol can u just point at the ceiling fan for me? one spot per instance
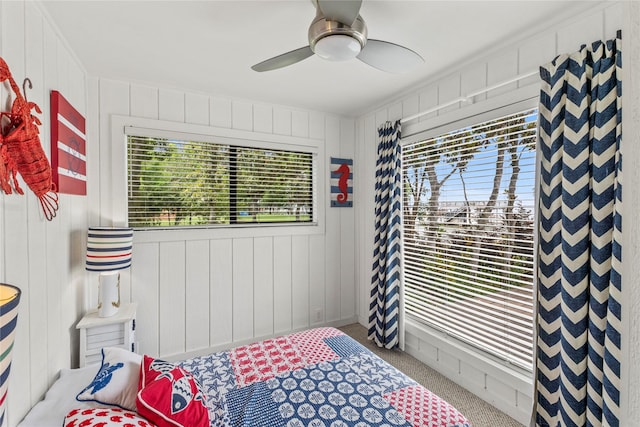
(339, 33)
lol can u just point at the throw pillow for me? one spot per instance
(171, 396)
(101, 417)
(116, 382)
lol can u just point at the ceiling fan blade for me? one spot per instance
(389, 57)
(284, 60)
(344, 12)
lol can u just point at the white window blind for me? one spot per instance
(468, 211)
(178, 183)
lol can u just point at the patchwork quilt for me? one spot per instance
(319, 377)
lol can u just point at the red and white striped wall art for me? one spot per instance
(68, 147)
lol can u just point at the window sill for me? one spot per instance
(206, 233)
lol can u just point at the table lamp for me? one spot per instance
(9, 299)
(108, 251)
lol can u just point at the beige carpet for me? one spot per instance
(479, 412)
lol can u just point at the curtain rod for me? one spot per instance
(469, 96)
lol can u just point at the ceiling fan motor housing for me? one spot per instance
(322, 28)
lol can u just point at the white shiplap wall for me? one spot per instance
(508, 390)
(44, 259)
(199, 291)
(630, 394)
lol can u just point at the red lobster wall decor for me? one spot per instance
(21, 151)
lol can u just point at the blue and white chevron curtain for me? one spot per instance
(578, 344)
(384, 305)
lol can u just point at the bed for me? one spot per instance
(318, 377)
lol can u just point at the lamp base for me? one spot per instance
(108, 293)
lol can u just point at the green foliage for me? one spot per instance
(189, 183)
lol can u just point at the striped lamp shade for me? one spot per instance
(109, 248)
(9, 299)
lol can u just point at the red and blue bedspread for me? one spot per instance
(319, 377)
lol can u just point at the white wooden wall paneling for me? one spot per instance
(332, 218)
(347, 292)
(263, 286)
(584, 30)
(411, 105)
(93, 152)
(333, 262)
(317, 279)
(472, 79)
(197, 294)
(172, 298)
(613, 21)
(145, 274)
(171, 105)
(300, 281)
(630, 366)
(221, 295)
(144, 101)
(358, 176)
(281, 121)
(394, 112)
(73, 219)
(221, 112)
(347, 225)
(282, 284)
(242, 115)
(37, 301)
(300, 124)
(448, 90)
(243, 303)
(502, 68)
(533, 53)
(365, 174)
(316, 125)
(263, 118)
(55, 260)
(114, 99)
(428, 100)
(16, 222)
(196, 109)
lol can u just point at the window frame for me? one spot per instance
(437, 124)
(124, 126)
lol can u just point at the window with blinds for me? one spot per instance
(468, 211)
(180, 183)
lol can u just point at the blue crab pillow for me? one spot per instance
(116, 382)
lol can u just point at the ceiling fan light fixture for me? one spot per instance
(332, 39)
(337, 47)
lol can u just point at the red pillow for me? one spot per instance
(170, 396)
(100, 417)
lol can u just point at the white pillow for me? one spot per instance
(60, 398)
(116, 382)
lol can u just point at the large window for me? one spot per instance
(468, 234)
(186, 183)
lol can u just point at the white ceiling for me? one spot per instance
(209, 46)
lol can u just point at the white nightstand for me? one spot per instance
(116, 331)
